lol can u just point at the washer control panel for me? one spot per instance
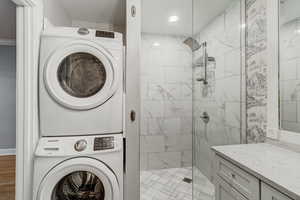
(104, 143)
(79, 145)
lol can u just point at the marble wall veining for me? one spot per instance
(221, 97)
(256, 70)
(166, 102)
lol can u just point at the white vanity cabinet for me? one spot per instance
(225, 191)
(239, 180)
(269, 193)
(234, 183)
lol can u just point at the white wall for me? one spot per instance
(8, 97)
(55, 14)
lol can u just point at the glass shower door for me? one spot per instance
(217, 84)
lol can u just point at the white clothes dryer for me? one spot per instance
(83, 168)
(80, 82)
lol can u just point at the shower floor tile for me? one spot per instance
(168, 184)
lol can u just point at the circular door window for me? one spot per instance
(81, 75)
(81, 185)
(79, 179)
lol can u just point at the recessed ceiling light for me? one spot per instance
(173, 18)
(156, 44)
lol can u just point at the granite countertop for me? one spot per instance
(274, 165)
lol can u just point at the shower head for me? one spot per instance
(192, 43)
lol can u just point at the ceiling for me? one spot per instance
(98, 11)
(7, 20)
(155, 13)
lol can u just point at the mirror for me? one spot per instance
(289, 74)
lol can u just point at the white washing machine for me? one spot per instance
(83, 168)
(80, 82)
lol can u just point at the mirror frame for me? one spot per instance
(274, 130)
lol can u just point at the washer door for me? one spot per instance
(81, 75)
(79, 179)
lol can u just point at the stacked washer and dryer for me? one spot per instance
(79, 155)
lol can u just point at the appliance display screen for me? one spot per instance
(103, 143)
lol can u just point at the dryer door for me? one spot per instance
(79, 179)
(81, 75)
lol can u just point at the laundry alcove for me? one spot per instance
(108, 16)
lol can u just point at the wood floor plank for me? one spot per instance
(7, 177)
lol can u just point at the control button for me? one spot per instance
(80, 145)
(83, 31)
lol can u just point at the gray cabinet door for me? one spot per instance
(239, 179)
(225, 192)
(269, 193)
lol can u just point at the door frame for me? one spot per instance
(132, 100)
(29, 25)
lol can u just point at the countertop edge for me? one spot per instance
(273, 184)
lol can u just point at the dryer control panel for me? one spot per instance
(79, 145)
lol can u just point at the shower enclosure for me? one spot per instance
(217, 92)
(191, 93)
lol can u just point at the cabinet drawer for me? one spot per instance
(268, 193)
(226, 192)
(243, 182)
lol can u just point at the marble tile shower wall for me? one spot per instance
(166, 118)
(256, 70)
(221, 97)
(290, 75)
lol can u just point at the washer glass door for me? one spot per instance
(79, 179)
(80, 185)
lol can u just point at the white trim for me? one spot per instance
(132, 100)
(29, 25)
(272, 70)
(7, 42)
(289, 137)
(29, 3)
(7, 152)
(274, 131)
(243, 97)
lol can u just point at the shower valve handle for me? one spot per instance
(205, 117)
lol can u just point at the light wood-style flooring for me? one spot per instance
(7, 177)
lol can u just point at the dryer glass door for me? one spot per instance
(81, 75)
(80, 185)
